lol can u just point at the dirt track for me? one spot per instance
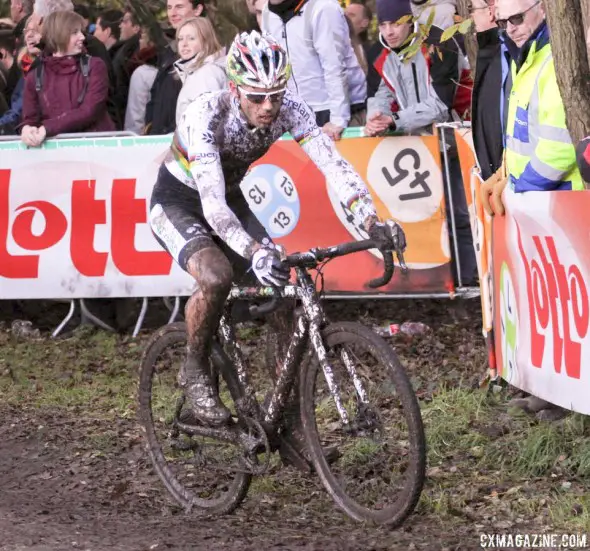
(76, 476)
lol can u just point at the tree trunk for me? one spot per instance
(564, 18)
(470, 40)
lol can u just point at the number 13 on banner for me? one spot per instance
(272, 197)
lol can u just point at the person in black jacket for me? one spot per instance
(160, 113)
(485, 118)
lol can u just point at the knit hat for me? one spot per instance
(392, 10)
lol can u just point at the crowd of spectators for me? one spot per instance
(147, 78)
(67, 72)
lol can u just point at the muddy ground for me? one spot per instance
(74, 473)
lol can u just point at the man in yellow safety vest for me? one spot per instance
(540, 155)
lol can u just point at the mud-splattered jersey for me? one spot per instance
(214, 146)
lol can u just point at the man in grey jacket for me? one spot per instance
(414, 92)
(326, 72)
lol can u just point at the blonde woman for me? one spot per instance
(201, 67)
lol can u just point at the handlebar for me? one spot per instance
(315, 256)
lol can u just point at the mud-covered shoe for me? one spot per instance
(202, 399)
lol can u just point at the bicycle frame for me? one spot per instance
(309, 325)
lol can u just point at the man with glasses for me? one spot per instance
(540, 155)
(199, 214)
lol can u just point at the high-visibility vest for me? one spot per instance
(540, 155)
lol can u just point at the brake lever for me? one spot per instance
(402, 263)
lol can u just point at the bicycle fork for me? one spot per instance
(316, 319)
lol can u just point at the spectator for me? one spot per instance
(360, 16)
(179, 10)
(542, 157)
(414, 95)
(84, 12)
(143, 70)
(326, 71)
(10, 121)
(255, 10)
(486, 120)
(67, 91)
(9, 70)
(130, 26)
(444, 12)
(161, 109)
(128, 31)
(357, 46)
(108, 30)
(201, 67)
(20, 10)
(93, 46)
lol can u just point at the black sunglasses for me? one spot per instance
(516, 19)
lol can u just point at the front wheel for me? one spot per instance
(201, 474)
(379, 474)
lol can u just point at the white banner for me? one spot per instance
(73, 221)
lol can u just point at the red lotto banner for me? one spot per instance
(541, 307)
(73, 215)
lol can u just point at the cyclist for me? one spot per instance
(198, 212)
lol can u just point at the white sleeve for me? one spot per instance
(339, 173)
(140, 85)
(331, 38)
(204, 163)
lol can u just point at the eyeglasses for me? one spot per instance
(260, 97)
(516, 19)
(471, 8)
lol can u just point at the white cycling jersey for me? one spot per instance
(214, 146)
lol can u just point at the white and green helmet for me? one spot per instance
(258, 60)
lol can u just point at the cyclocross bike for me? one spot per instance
(354, 396)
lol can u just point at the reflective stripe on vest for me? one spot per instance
(525, 128)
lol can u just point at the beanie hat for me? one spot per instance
(392, 10)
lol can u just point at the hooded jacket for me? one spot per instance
(326, 71)
(209, 77)
(56, 105)
(418, 92)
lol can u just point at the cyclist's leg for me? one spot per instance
(179, 227)
(281, 321)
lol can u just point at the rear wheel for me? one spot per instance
(200, 473)
(380, 471)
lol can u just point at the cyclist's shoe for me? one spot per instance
(202, 399)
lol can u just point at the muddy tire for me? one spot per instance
(361, 481)
(231, 487)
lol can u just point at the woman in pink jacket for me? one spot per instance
(66, 91)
